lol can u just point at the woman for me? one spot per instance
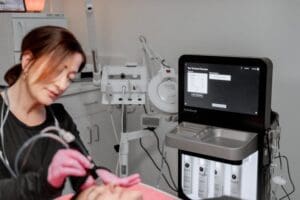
(108, 192)
(50, 58)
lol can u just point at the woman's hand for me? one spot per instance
(110, 178)
(66, 162)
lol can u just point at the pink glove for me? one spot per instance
(110, 178)
(66, 162)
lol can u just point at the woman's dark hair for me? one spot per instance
(57, 42)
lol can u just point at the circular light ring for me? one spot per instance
(163, 91)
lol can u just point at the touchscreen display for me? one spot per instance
(229, 92)
(222, 87)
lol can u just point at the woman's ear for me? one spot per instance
(25, 60)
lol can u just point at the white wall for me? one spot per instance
(6, 46)
(260, 28)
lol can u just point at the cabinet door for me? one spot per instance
(22, 25)
(82, 103)
(104, 139)
(80, 106)
(84, 127)
(94, 124)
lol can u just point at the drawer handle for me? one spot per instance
(97, 132)
(90, 133)
(90, 103)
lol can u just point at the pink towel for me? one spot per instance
(149, 193)
(64, 197)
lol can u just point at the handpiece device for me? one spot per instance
(78, 145)
(74, 143)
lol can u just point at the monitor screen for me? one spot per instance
(229, 88)
(231, 92)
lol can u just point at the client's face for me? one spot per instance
(109, 192)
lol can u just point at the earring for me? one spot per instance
(25, 75)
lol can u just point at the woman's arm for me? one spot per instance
(46, 183)
(31, 185)
(105, 175)
(66, 122)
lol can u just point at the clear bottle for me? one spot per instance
(203, 169)
(235, 187)
(187, 174)
(218, 179)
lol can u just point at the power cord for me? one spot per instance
(286, 194)
(33, 140)
(163, 157)
(273, 150)
(290, 179)
(156, 166)
(161, 153)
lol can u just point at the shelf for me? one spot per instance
(80, 87)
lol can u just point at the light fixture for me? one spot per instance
(34, 5)
(163, 90)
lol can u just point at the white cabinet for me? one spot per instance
(83, 103)
(103, 140)
(14, 26)
(23, 23)
(84, 127)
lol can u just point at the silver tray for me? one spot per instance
(212, 141)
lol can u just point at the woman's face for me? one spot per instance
(109, 192)
(46, 91)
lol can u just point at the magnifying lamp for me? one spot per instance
(162, 90)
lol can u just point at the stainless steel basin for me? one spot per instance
(211, 141)
(227, 138)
